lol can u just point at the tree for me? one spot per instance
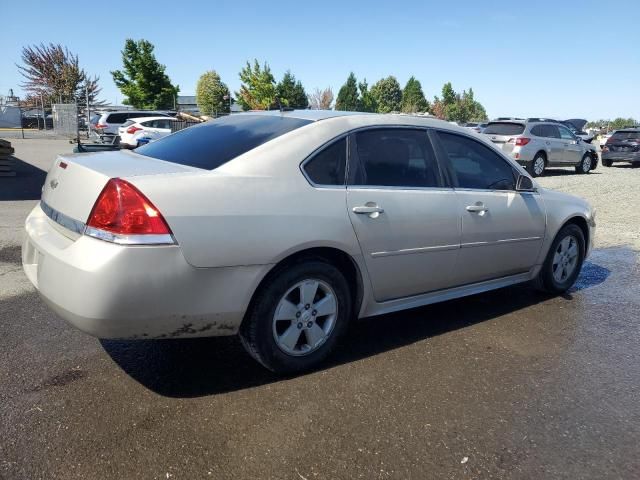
(348, 95)
(54, 73)
(387, 95)
(291, 92)
(321, 99)
(366, 102)
(211, 93)
(143, 80)
(413, 98)
(457, 107)
(258, 88)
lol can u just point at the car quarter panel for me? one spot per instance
(115, 291)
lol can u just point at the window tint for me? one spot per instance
(476, 165)
(625, 136)
(118, 118)
(538, 131)
(504, 128)
(328, 166)
(394, 157)
(215, 142)
(551, 131)
(565, 134)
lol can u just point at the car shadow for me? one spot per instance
(25, 185)
(207, 366)
(559, 172)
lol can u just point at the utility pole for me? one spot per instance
(88, 112)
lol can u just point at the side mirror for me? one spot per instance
(578, 139)
(525, 184)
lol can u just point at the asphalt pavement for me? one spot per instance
(507, 384)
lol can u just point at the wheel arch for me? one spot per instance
(581, 222)
(335, 256)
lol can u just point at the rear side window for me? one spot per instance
(504, 128)
(538, 131)
(475, 165)
(215, 142)
(395, 157)
(625, 136)
(118, 118)
(328, 166)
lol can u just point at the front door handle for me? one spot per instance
(477, 208)
(366, 209)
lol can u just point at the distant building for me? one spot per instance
(187, 103)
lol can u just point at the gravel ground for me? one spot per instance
(507, 384)
(614, 191)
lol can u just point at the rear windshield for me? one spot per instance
(504, 128)
(127, 123)
(622, 136)
(216, 142)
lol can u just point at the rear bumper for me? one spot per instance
(114, 291)
(621, 156)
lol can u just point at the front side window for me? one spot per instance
(328, 166)
(394, 157)
(565, 133)
(475, 165)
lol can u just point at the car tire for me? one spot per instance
(283, 330)
(562, 264)
(607, 163)
(536, 166)
(584, 166)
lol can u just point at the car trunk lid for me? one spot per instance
(75, 181)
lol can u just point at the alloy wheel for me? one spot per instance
(304, 317)
(565, 259)
(538, 166)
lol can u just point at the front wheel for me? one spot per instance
(297, 317)
(564, 261)
(585, 164)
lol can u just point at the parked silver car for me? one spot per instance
(537, 145)
(283, 226)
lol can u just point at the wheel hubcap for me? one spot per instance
(586, 164)
(538, 166)
(565, 258)
(305, 317)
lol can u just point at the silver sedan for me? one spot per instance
(283, 226)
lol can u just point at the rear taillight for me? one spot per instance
(133, 129)
(100, 126)
(609, 140)
(122, 214)
(522, 141)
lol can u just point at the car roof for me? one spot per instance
(313, 115)
(144, 119)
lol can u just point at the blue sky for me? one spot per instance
(566, 58)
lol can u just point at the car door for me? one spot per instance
(554, 144)
(404, 217)
(572, 150)
(502, 229)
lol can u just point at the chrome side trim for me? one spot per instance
(62, 219)
(499, 242)
(409, 251)
(82, 229)
(129, 239)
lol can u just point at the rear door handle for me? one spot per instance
(367, 210)
(477, 208)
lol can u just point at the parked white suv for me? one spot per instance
(147, 128)
(110, 121)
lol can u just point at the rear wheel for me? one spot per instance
(297, 317)
(564, 261)
(537, 165)
(585, 164)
